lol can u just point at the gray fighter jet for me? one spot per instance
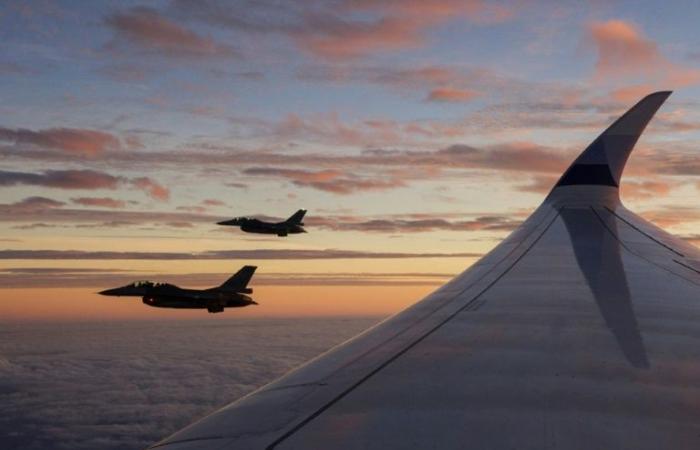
(231, 294)
(293, 225)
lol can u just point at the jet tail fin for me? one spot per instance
(239, 281)
(297, 217)
(604, 159)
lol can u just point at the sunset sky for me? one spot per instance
(418, 134)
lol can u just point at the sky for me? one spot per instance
(417, 133)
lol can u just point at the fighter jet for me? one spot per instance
(293, 225)
(231, 294)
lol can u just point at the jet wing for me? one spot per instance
(581, 330)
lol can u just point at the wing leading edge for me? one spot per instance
(580, 330)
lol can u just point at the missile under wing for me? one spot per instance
(581, 330)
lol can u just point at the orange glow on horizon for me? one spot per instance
(78, 304)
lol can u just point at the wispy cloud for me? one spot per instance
(47, 277)
(422, 223)
(333, 181)
(103, 202)
(149, 31)
(82, 179)
(346, 29)
(62, 179)
(77, 141)
(394, 25)
(153, 188)
(454, 95)
(259, 254)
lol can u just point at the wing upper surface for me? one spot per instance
(580, 330)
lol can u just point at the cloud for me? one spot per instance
(42, 212)
(327, 180)
(394, 25)
(693, 238)
(516, 156)
(82, 179)
(147, 30)
(630, 94)
(77, 141)
(381, 165)
(622, 48)
(477, 11)
(415, 225)
(451, 95)
(339, 39)
(259, 254)
(539, 185)
(346, 29)
(103, 202)
(34, 226)
(671, 216)
(10, 68)
(62, 179)
(34, 203)
(181, 224)
(624, 51)
(213, 202)
(341, 173)
(639, 190)
(59, 390)
(236, 185)
(154, 189)
(48, 277)
(329, 128)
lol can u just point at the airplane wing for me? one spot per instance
(581, 330)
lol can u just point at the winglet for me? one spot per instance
(604, 159)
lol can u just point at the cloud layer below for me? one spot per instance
(124, 386)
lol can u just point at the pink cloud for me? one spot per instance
(349, 40)
(392, 25)
(35, 203)
(152, 188)
(539, 184)
(63, 179)
(70, 140)
(477, 11)
(102, 202)
(213, 202)
(451, 95)
(192, 209)
(639, 190)
(81, 179)
(631, 94)
(147, 29)
(332, 181)
(623, 51)
(622, 48)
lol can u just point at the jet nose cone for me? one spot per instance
(109, 292)
(223, 222)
